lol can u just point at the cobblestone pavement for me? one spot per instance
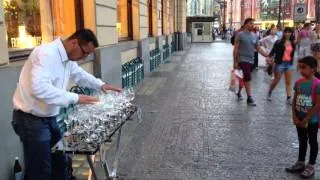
(194, 128)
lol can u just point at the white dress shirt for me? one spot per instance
(41, 89)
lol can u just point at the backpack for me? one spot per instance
(313, 93)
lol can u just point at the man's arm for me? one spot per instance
(83, 78)
(41, 82)
(262, 51)
(235, 52)
(295, 120)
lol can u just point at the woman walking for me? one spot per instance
(304, 41)
(283, 51)
(268, 42)
(315, 35)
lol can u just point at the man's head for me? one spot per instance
(279, 27)
(317, 27)
(248, 24)
(315, 47)
(80, 44)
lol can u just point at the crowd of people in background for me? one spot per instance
(281, 47)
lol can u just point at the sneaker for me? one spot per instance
(308, 172)
(289, 102)
(239, 96)
(250, 102)
(269, 97)
(297, 167)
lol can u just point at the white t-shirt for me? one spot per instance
(268, 42)
(315, 37)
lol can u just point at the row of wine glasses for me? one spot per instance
(90, 125)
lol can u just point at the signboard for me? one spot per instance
(300, 12)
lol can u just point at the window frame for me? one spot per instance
(23, 54)
(130, 23)
(150, 18)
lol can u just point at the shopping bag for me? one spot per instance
(238, 73)
(239, 78)
(233, 79)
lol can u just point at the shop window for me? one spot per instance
(30, 23)
(124, 19)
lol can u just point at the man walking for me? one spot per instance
(244, 47)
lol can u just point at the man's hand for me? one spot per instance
(303, 124)
(107, 87)
(295, 120)
(85, 99)
(269, 60)
(235, 65)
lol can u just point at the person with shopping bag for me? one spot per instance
(245, 45)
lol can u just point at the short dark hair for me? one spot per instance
(306, 25)
(309, 61)
(85, 36)
(246, 21)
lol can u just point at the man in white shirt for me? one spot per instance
(41, 92)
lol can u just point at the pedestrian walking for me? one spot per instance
(256, 33)
(245, 45)
(40, 93)
(315, 35)
(267, 42)
(279, 32)
(304, 41)
(315, 47)
(306, 105)
(283, 53)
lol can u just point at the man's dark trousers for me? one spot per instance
(39, 135)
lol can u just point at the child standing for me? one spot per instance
(306, 105)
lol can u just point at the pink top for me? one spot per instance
(305, 33)
(287, 53)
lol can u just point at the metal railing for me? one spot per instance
(155, 59)
(132, 73)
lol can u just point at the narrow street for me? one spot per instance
(194, 128)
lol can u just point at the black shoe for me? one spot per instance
(239, 96)
(250, 102)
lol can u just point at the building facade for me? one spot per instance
(126, 29)
(265, 12)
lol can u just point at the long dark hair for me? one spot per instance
(288, 29)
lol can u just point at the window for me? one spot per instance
(150, 18)
(23, 23)
(171, 16)
(30, 23)
(124, 19)
(164, 16)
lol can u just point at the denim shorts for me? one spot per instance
(283, 67)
